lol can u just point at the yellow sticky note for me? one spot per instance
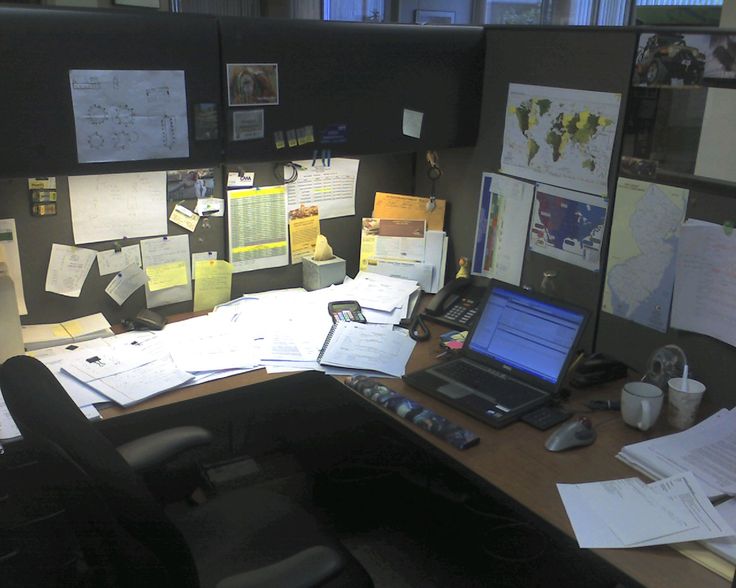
(213, 284)
(166, 275)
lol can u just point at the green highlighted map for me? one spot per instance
(560, 136)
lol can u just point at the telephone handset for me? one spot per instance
(456, 304)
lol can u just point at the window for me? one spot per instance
(354, 10)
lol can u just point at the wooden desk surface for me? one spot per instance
(514, 461)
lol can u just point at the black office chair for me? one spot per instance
(247, 537)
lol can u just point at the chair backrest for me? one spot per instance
(132, 541)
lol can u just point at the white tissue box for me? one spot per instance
(320, 274)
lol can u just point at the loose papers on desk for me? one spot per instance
(126, 374)
(708, 450)
(375, 348)
(630, 513)
(84, 328)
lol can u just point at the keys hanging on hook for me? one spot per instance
(433, 173)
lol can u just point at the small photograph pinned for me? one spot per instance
(188, 184)
(247, 125)
(670, 59)
(720, 63)
(205, 121)
(252, 84)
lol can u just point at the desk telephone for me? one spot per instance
(455, 305)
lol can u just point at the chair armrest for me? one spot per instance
(157, 448)
(310, 567)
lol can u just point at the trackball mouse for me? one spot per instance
(573, 434)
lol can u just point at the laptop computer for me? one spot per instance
(514, 358)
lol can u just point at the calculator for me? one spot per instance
(346, 311)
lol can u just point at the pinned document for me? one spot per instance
(112, 260)
(257, 228)
(125, 282)
(169, 284)
(213, 284)
(68, 269)
(166, 275)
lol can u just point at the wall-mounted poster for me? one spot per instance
(560, 136)
(127, 115)
(252, 84)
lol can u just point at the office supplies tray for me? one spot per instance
(414, 412)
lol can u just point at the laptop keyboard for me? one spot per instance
(505, 392)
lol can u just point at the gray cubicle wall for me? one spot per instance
(590, 60)
(710, 361)
(360, 77)
(578, 58)
(389, 173)
(39, 46)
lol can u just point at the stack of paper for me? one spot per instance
(367, 348)
(708, 450)
(85, 328)
(629, 513)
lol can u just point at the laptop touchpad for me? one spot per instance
(453, 390)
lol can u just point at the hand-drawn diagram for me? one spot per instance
(122, 115)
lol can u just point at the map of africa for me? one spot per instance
(641, 255)
(560, 136)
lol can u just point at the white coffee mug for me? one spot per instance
(641, 404)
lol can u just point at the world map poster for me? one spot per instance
(560, 136)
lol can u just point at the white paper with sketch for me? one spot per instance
(118, 206)
(111, 261)
(10, 255)
(129, 115)
(702, 301)
(330, 187)
(68, 269)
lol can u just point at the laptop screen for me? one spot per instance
(529, 335)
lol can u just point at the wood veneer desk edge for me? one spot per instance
(514, 462)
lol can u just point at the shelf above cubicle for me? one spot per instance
(38, 49)
(344, 87)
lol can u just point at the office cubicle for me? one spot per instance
(362, 77)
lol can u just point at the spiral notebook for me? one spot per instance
(367, 347)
